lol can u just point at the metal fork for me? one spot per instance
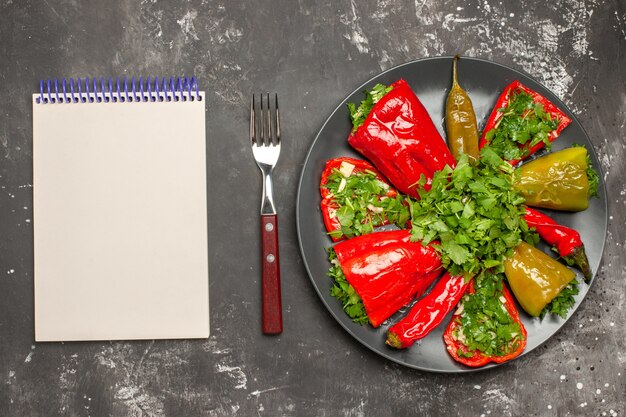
(266, 149)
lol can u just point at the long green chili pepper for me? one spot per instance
(461, 120)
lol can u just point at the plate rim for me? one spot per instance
(298, 216)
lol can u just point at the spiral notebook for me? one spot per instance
(120, 210)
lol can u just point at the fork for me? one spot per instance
(266, 149)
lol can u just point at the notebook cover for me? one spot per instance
(120, 220)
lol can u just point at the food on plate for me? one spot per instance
(558, 180)
(535, 278)
(465, 211)
(356, 199)
(521, 123)
(379, 273)
(398, 136)
(461, 129)
(486, 326)
(565, 240)
(474, 212)
(428, 312)
(563, 302)
(360, 113)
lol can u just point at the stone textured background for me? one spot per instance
(313, 53)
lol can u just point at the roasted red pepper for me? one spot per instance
(387, 270)
(459, 350)
(428, 312)
(359, 166)
(566, 240)
(400, 139)
(500, 110)
(375, 214)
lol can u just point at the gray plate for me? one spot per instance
(430, 80)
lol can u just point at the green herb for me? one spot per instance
(359, 114)
(531, 237)
(485, 322)
(592, 175)
(474, 213)
(464, 354)
(364, 203)
(563, 302)
(523, 122)
(344, 292)
(594, 181)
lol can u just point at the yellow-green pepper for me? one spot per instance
(556, 181)
(461, 126)
(535, 278)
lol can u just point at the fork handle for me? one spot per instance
(272, 306)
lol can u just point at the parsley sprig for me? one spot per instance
(486, 325)
(523, 122)
(592, 176)
(344, 292)
(363, 203)
(359, 114)
(474, 213)
(563, 302)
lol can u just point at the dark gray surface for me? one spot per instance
(313, 54)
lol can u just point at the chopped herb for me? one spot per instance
(464, 354)
(523, 122)
(531, 237)
(563, 302)
(474, 213)
(364, 202)
(592, 176)
(485, 322)
(359, 114)
(344, 292)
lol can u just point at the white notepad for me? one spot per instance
(120, 218)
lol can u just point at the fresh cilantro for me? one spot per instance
(359, 114)
(344, 292)
(473, 212)
(592, 176)
(563, 302)
(523, 122)
(485, 322)
(464, 354)
(364, 202)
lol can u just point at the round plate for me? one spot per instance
(430, 79)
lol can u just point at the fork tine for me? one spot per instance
(253, 138)
(277, 120)
(268, 121)
(262, 124)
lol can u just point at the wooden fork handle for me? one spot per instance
(272, 306)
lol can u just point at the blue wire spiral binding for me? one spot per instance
(65, 91)
(126, 89)
(80, 92)
(74, 99)
(49, 95)
(86, 90)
